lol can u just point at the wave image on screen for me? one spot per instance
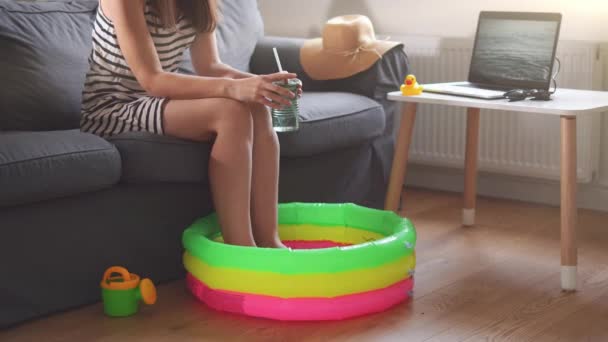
(513, 51)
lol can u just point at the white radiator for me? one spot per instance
(519, 144)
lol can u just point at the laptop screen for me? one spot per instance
(515, 50)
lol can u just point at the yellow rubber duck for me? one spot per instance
(411, 87)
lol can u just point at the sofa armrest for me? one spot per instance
(384, 76)
(262, 61)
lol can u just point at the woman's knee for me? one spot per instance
(262, 124)
(235, 118)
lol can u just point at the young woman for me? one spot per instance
(132, 85)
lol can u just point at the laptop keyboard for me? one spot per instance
(483, 87)
(464, 90)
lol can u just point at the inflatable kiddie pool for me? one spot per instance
(344, 261)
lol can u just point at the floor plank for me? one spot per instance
(496, 281)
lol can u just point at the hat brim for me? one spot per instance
(320, 64)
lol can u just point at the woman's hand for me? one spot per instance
(260, 89)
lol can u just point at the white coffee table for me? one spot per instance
(567, 105)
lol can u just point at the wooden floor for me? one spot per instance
(498, 281)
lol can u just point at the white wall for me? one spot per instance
(583, 19)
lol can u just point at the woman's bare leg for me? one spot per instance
(231, 124)
(265, 179)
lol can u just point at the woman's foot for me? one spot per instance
(273, 243)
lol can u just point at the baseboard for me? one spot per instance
(590, 196)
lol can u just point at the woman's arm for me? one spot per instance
(138, 49)
(206, 60)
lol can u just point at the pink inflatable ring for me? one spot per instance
(344, 261)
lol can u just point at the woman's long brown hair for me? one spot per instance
(201, 13)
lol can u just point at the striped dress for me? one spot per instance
(113, 101)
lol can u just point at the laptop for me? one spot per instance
(513, 50)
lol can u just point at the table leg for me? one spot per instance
(568, 203)
(400, 157)
(470, 169)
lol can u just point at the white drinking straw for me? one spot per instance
(276, 57)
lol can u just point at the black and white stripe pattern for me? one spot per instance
(113, 102)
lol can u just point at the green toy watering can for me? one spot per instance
(122, 291)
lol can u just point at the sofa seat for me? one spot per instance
(37, 166)
(329, 122)
(151, 158)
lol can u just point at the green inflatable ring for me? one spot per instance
(399, 241)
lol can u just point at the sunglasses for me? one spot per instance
(533, 94)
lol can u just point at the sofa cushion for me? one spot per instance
(330, 121)
(148, 158)
(239, 28)
(37, 166)
(43, 62)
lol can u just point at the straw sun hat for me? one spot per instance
(348, 46)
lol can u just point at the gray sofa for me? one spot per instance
(72, 204)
